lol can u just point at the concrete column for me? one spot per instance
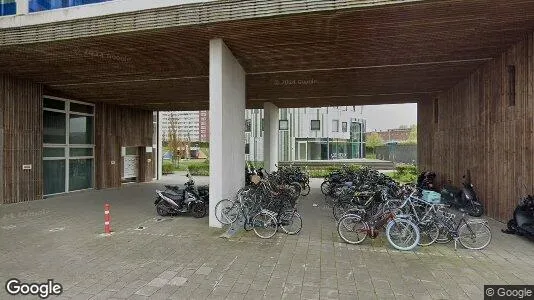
(159, 151)
(227, 126)
(22, 7)
(270, 137)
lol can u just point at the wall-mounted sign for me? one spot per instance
(26, 167)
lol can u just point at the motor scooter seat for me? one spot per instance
(172, 196)
(452, 189)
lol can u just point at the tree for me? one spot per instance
(412, 137)
(174, 142)
(374, 140)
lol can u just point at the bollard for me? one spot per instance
(107, 220)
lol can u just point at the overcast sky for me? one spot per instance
(380, 117)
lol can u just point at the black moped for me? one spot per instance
(522, 222)
(176, 200)
(464, 199)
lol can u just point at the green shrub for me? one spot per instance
(167, 167)
(199, 169)
(405, 173)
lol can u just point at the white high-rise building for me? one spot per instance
(188, 125)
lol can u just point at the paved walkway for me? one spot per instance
(182, 258)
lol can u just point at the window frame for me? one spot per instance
(67, 145)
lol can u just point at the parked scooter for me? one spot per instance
(522, 222)
(175, 200)
(464, 199)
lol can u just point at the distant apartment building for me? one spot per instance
(190, 125)
(309, 134)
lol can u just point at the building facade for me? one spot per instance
(190, 125)
(309, 134)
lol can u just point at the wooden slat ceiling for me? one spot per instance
(384, 54)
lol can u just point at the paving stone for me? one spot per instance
(203, 271)
(167, 275)
(178, 281)
(147, 290)
(314, 264)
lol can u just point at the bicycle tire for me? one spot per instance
(468, 227)
(222, 214)
(444, 237)
(391, 227)
(430, 230)
(295, 216)
(264, 220)
(351, 223)
(325, 188)
(305, 190)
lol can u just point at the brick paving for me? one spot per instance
(182, 258)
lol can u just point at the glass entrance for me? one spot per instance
(68, 145)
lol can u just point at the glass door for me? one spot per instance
(303, 150)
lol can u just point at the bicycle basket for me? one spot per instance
(431, 197)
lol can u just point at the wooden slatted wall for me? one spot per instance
(21, 140)
(478, 129)
(116, 127)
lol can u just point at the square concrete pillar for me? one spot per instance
(227, 126)
(270, 140)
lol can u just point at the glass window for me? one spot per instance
(54, 104)
(344, 126)
(335, 125)
(247, 148)
(81, 151)
(54, 152)
(54, 128)
(77, 107)
(80, 174)
(355, 131)
(283, 125)
(40, 5)
(54, 176)
(248, 125)
(81, 129)
(8, 7)
(131, 151)
(261, 125)
(315, 125)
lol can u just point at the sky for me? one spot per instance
(388, 116)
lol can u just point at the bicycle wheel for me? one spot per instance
(325, 188)
(291, 222)
(296, 189)
(265, 225)
(429, 233)
(402, 234)
(305, 189)
(352, 229)
(474, 235)
(444, 237)
(339, 209)
(226, 211)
